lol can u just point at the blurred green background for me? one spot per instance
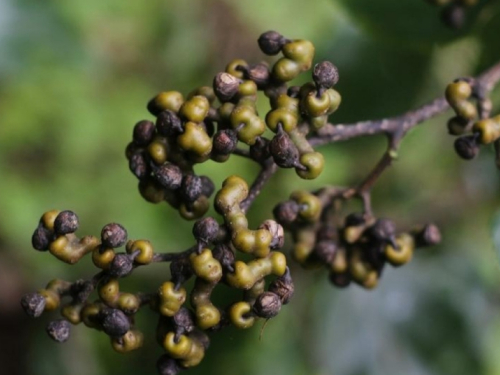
(75, 76)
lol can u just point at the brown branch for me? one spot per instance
(341, 132)
(267, 171)
(168, 257)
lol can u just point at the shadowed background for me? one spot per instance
(75, 77)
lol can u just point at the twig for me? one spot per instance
(341, 132)
(267, 171)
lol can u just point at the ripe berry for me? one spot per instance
(325, 74)
(466, 147)
(267, 305)
(114, 322)
(121, 265)
(113, 235)
(66, 222)
(33, 304)
(59, 330)
(205, 230)
(144, 132)
(169, 176)
(41, 238)
(271, 42)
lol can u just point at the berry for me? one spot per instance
(168, 124)
(169, 176)
(121, 265)
(206, 230)
(267, 305)
(113, 235)
(66, 222)
(466, 147)
(225, 142)
(271, 42)
(41, 238)
(325, 74)
(114, 322)
(226, 86)
(144, 132)
(33, 304)
(59, 330)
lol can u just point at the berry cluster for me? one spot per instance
(195, 129)
(181, 331)
(472, 121)
(353, 249)
(453, 11)
(213, 123)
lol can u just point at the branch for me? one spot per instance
(267, 171)
(399, 124)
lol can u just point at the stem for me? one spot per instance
(268, 170)
(341, 132)
(168, 257)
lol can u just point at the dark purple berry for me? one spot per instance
(59, 330)
(41, 238)
(271, 42)
(206, 230)
(284, 151)
(167, 366)
(283, 287)
(225, 142)
(113, 235)
(143, 134)
(325, 74)
(168, 123)
(33, 304)
(114, 322)
(467, 147)
(66, 222)
(191, 188)
(121, 265)
(267, 305)
(169, 176)
(226, 86)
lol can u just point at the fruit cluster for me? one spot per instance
(182, 331)
(195, 129)
(213, 123)
(353, 249)
(453, 11)
(472, 122)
